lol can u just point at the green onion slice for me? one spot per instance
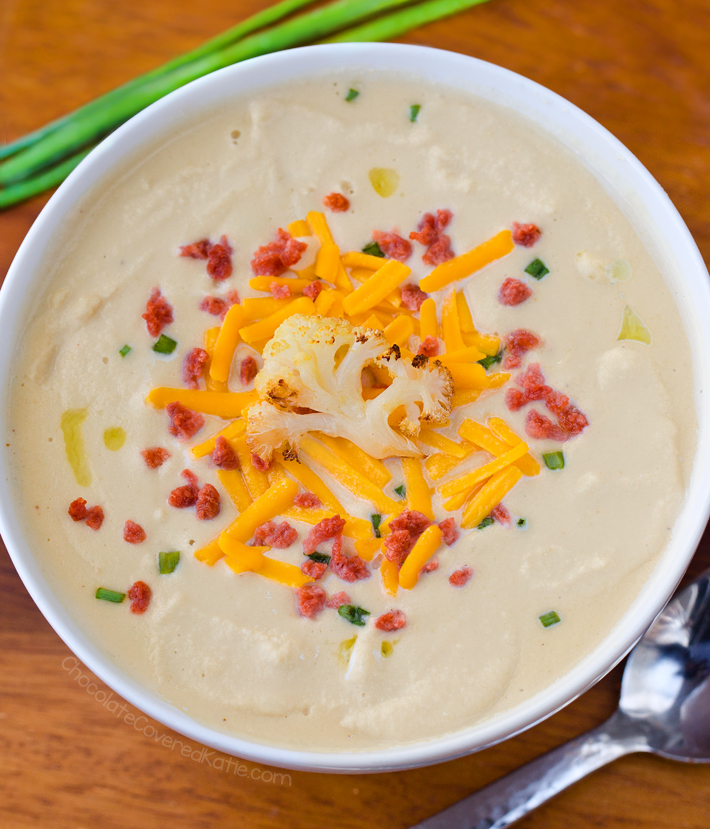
(373, 249)
(167, 562)
(537, 269)
(376, 521)
(487, 362)
(110, 595)
(124, 350)
(487, 521)
(353, 614)
(352, 94)
(164, 345)
(550, 618)
(400, 490)
(522, 522)
(554, 460)
(414, 111)
(321, 558)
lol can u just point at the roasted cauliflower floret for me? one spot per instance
(312, 381)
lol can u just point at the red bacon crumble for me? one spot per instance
(139, 594)
(461, 576)
(439, 252)
(430, 233)
(279, 291)
(347, 568)
(413, 297)
(184, 423)
(95, 518)
(526, 235)
(158, 313)
(336, 202)
(271, 534)
(313, 289)
(197, 250)
(192, 367)
(512, 292)
(518, 343)
(314, 569)
(247, 370)
(276, 257)
(155, 456)
(260, 463)
(323, 531)
(396, 546)
(406, 529)
(133, 533)
(217, 306)
(541, 427)
(219, 260)
(185, 496)
(429, 346)
(338, 599)
(223, 455)
(501, 515)
(307, 500)
(77, 509)
(393, 245)
(310, 600)
(208, 505)
(430, 566)
(393, 620)
(449, 531)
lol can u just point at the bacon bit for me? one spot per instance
(338, 599)
(155, 456)
(223, 455)
(413, 521)
(393, 620)
(95, 518)
(323, 531)
(215, 305)
(192, 367)
(260, 463)
(276, 257)
(184, 423)
(158, 313)
(185, 496)
(314, 569)
(462, 576)
(526, 235)
(439, 252)
(139, 594)
(430, 233)
(77, 509)
(248, 370)
(429, 346)
(413, 297)
(393, 245)
(197, 250)
(397, 546)
(541, 427)
(518, 343)
(512, 292)
(307, 500)
(279, 291)
(208, 503)
(219, 260)
(347, 568)
(313, 289)
(310, 600)
(133, 533)
(501, 515)
(276, 535)
(336, 202)
(430, 566)
(406, 529)
(449, 531)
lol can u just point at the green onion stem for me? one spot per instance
(39, 183)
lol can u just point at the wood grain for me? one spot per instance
(66, 760)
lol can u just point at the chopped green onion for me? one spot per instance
(550, 618)
(353, 614)
(400, 490)
(321, 558)
(164, 345)
(123, 351)
(373, 249)
(487, 521)
(110, 595)
(376, 521)
(554, 460)
(167, 562)
(522, 522)
(414, 111)
(487, 362)
(352, 94)
(537, 269)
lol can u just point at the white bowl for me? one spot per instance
(630, 185)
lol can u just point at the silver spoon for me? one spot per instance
(664, 709)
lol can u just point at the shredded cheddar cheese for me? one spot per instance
(427, 544)
(468, 263)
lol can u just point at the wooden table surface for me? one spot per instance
(66, 760)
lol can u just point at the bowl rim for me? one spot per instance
(463, 72)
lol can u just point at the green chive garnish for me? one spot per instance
(537, 269)
(164, 345)
(373, 249)
(321, 558)
(487, 521)
(353, 614)
(124, 350)
(376, 521)
(167, 562)
(110, 595)
(487, 362)
(400, 490)
(522, 522)
(550, 618)
(414, 111)
(352, 94)
(554, 460)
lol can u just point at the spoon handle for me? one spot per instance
(513, 796)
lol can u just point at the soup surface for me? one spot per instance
(231, 649)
